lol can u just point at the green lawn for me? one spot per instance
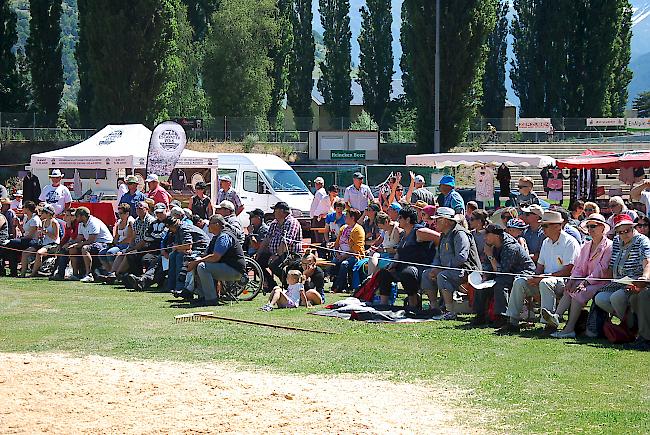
(529, 384)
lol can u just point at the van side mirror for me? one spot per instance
(262, 189)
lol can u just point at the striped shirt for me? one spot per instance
(628, 260)
(140, 227)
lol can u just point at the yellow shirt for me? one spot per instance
(356, 241)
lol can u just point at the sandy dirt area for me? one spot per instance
(62, 394)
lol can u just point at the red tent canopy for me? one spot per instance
(595, 159)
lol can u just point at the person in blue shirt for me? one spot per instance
(334, 221)
(451, 198)
(133, 196)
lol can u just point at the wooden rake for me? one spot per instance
(209, 315)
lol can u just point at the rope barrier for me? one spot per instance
(148, 251)
(9, 165)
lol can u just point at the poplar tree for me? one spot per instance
(279, 53)
(43, 52)
(301, 64)
(376, 57)
(494, 79)
(334, 83)
(13, 94)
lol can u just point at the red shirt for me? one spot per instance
(159, 194)
(70, 233)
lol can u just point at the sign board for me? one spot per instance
(82, 162)
(605, 122)
(190, 123)
(348, 155)
(535, 125)
(167, 142)
(638, 123)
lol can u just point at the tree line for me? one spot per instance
(149, 60)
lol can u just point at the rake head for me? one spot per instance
(193, 317)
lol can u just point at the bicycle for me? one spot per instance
(248, 286)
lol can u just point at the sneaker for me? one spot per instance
(74, 278)
(551, 319)
(266, 307)
(129, 281)
(449, 315)
(562, 334)
(87, 278)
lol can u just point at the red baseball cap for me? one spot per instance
(623, 219)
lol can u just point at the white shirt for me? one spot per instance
(358, 198)
(321, 204)
(16, 204)
(554, 256)
(121, 191)
(57, 196)
(95, 226)
(34, 222)
(645, 200)
(293, 292)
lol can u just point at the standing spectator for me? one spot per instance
(534, 234)
(17, 203)
(320, 207)
(227, 193)
(94, 236)
(31, 187)
(10, 216)
(121, 190)
(200, 203)
(156, 191)
(526, 195)
(450, 197)
(333, 193)
(133, 197)
(385, 190)
(358, 195)
(257, 231)
(503, 254)
(56, 193)
(284, 237)
(418, 192)
(556, 259)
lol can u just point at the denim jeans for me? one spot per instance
(208, 272)
(344, 275)
(175, 266)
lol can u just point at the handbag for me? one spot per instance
(618, 334)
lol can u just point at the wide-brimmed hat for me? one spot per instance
(131, 179)
(534, 209)
(598, 219)
(552, 217)
(56, 174)
(448, 180)
(445, 213)
(420, 204)
(226, 205)
(623, 219)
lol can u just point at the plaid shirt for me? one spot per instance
(231, 196)
(140, 227)
(291, 230)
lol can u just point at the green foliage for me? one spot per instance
(13, 90)
(279, 54)
(464, 30)
(494, 78)
(69, 117)
(236, 70)
(364, 122)
(578, 73)
(403, 125)
(43, 51)
(376, 57)
(405, 62)
(334, 84)
(642, 104)
(301, 64)
(249, 142)
(129, 54)
(199, 13)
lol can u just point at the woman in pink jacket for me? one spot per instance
(592, 262)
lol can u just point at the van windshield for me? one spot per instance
(284, 180)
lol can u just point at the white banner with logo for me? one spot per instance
(167, 142)
(638, 123)
(605, 122)
(535, 125)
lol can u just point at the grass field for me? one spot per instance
(528, 384)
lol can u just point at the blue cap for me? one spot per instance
(395, 206)
(448, 180)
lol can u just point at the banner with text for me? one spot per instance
(535, 125)
(167, 142)
(605, 122)
(638, 123)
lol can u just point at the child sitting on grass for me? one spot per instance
(289, 298)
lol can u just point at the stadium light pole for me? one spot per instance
(436, 133)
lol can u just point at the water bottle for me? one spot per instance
(393, 294)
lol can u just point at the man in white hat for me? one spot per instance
(556, 259)
(534, 235)
(457, 250)
(227, 210)
(227, 193)
(156, 192)
(56, 193)
(320, 207)
(17, 202)
(418, 190)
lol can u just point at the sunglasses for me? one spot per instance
(629, 230)
(591, 227)
(548, 225)
(590, 209)
(522, 187)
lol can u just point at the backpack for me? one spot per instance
(473, 260)
(368, 289)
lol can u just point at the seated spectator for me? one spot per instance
(314, 280)
(123, 236)
(516, 227)
(334, 221)
(470, 207)
(640, 303)
(556, 259)
(590, 208)
(526, 196)
(200, 203)
(30, 235)
(577, 210)
(449, 197)
(227, 210)
(224, 261)
(289, 298)
(380, 255)
(592, 263)
(70, 234)
(630, 258)
(284, 238)
(257, 231)
(643, 225)
(477, 223)
(47, 243)
(568, 228)
(93, 236)
(187, 240)
(505, 214)
(457, 249)
(505, 255)
(617, 206)
(10, 217)
(534, 234)
(393, 211)
(410, 251)
(349, 247)
(369, 224)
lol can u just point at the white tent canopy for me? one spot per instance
(114, 147)
(478, 158)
